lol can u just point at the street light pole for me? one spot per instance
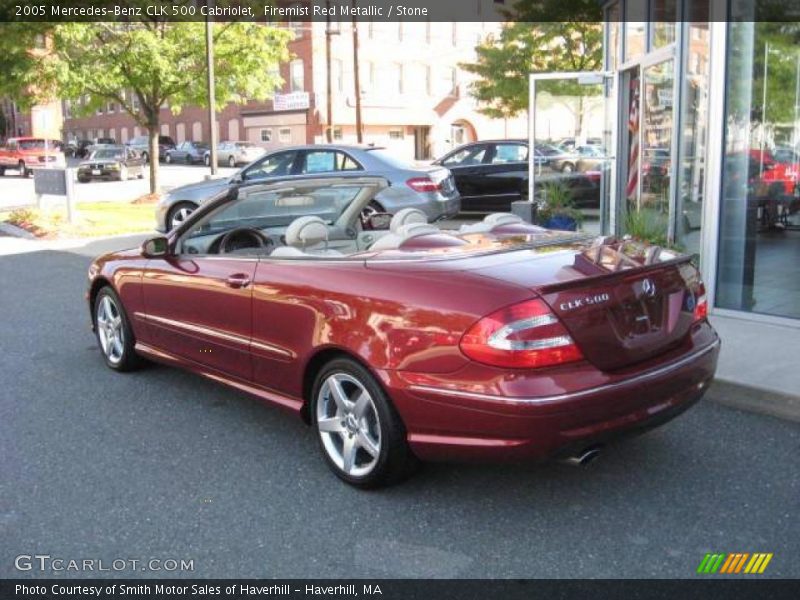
(328, 81)
(356, 76)
(212, 117)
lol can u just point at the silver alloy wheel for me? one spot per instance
(567, 168)
(109, 330)
(179, 216)
(348, 424)
(231, 162)
(168, 158)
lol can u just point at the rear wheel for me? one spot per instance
(23, 170)
(145, 157)
(207, 160)
(114, 333)
(2, 171)
(231, 162)
(360, 433)
(179, 213)
(568, 168)
(168, 158)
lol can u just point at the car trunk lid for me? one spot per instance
(620, 305)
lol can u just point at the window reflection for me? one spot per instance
(759, 249)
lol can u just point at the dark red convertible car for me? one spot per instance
(502, 341)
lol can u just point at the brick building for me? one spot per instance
(415, 101)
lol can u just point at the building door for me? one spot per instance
(645, 204)
(572, 134)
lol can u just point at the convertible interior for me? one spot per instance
(326, 219)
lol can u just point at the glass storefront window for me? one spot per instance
(759, 231)
(694, 124)
(663, 15)
(634, 39)
(612, 43)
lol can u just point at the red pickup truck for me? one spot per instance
(26, 153)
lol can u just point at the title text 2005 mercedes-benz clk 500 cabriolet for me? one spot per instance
(501, 341)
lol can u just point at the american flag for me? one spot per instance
(633, 137)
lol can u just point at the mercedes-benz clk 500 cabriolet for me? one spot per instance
(399, 341)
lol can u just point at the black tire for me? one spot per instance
(567, 168)
(145, 157)
(83, 180)
(129, 360)
(168, 158)
(2, 171)
(394, 461)
(189, 160)
(23, 170)
(207, 160)
(231, 162)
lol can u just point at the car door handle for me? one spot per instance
(239, 280)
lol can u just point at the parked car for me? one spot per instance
(187, 152)
(23, 154)
(431, 189)
(234, 154)
(568, 143)
(412, 343)
(111, 163)
(141, 144)
(581, 158)
(492, 174)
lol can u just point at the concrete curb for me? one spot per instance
(15, 231)
(750, 399)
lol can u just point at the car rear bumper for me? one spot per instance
(446, 423)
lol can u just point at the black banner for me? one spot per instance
(393, 589)
(384, 10)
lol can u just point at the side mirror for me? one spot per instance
(155, 247)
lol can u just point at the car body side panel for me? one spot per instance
(388, 321)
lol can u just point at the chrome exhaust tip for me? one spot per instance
(584, 457)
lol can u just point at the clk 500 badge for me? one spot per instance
(587, 301)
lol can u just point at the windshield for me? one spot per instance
(278, 208)
(108, 153)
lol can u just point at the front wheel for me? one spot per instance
(568, 168)
(23, 170)
(207, 160)
(231, 162)
(360, 433)
(114, 333)
(145, 157)
(168, 158)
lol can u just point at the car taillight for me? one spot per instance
(700, 303)
(423, 184)
(521, 336)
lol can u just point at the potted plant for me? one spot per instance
(556, 210)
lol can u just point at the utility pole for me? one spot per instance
(329, 81)
(356, 77)
(212, 117)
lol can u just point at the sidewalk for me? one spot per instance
(758, 367)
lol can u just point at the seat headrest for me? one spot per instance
(306, 231)
(407, 216)
(412, 230)
(496, 219)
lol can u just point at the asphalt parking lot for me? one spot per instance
(163, 464)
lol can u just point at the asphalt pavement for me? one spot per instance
(163, 464)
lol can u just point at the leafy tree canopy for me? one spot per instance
(541, 36)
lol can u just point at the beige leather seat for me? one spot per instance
(490, 222)
(392, 239)
(303, 238)
(405, 232)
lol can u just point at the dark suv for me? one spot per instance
(141, 143)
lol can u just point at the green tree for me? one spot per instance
(541, 36)
(144, 66)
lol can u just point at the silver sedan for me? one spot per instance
(430, 189)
